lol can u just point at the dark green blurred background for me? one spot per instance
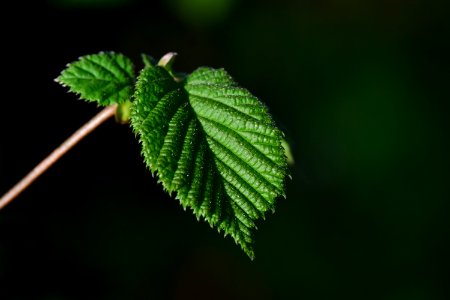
(361, 89)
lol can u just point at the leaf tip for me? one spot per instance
(168, 59)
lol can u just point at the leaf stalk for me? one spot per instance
(44, 165)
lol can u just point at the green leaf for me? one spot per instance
(212, 143)
(105, 78)
(148, 60)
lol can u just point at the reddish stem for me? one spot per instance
(87, 128)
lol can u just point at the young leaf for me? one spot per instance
(212, 143)
(105, 78)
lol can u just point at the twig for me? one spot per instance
(87, 128)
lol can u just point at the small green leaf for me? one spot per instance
(105, 78)
(148, 60)
(288, 152)
(123, 112)
(213, 144)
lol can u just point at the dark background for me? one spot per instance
(361, 89)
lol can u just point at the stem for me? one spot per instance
(87, 128)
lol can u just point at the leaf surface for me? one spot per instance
(213, 144)
(105, 78)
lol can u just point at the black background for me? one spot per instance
(361, 89)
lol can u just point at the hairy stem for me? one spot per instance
(87, 128)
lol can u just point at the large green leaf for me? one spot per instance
(105, 78)
(213, 144)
